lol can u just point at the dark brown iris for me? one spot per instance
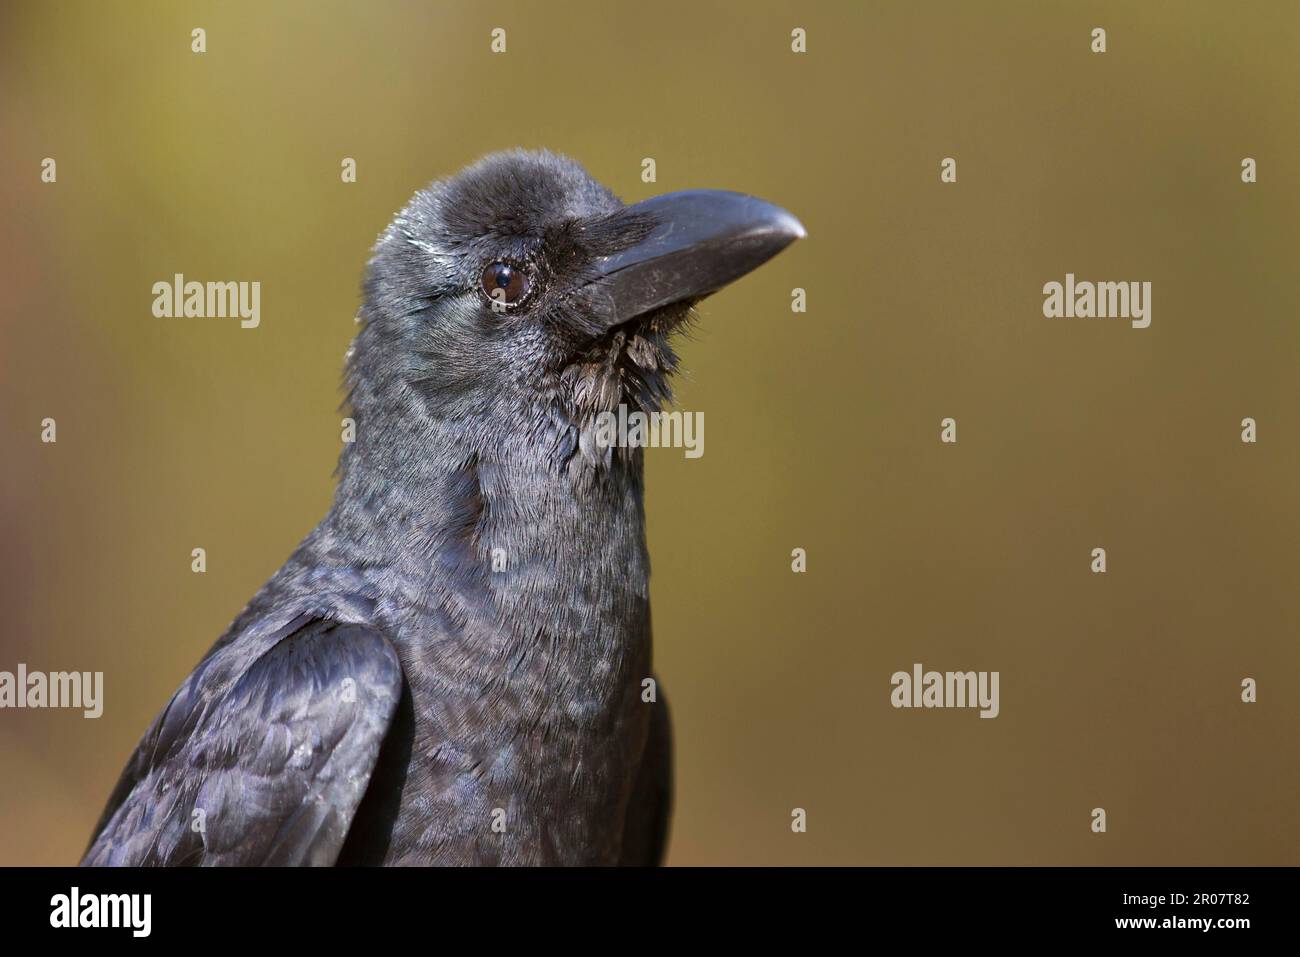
(504, 283)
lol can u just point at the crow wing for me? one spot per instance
(645, 832)
(263, 765)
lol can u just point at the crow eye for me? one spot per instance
(504, 284)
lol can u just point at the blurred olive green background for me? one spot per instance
(924, 301)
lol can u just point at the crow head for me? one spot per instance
(521, 291)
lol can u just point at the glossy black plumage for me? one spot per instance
(265, 763)
(450, 668)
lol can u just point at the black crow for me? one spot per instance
(452, 668)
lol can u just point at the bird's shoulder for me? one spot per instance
(262, 755)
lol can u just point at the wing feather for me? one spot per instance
(263, 766)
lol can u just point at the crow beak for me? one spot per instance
(699, 241)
